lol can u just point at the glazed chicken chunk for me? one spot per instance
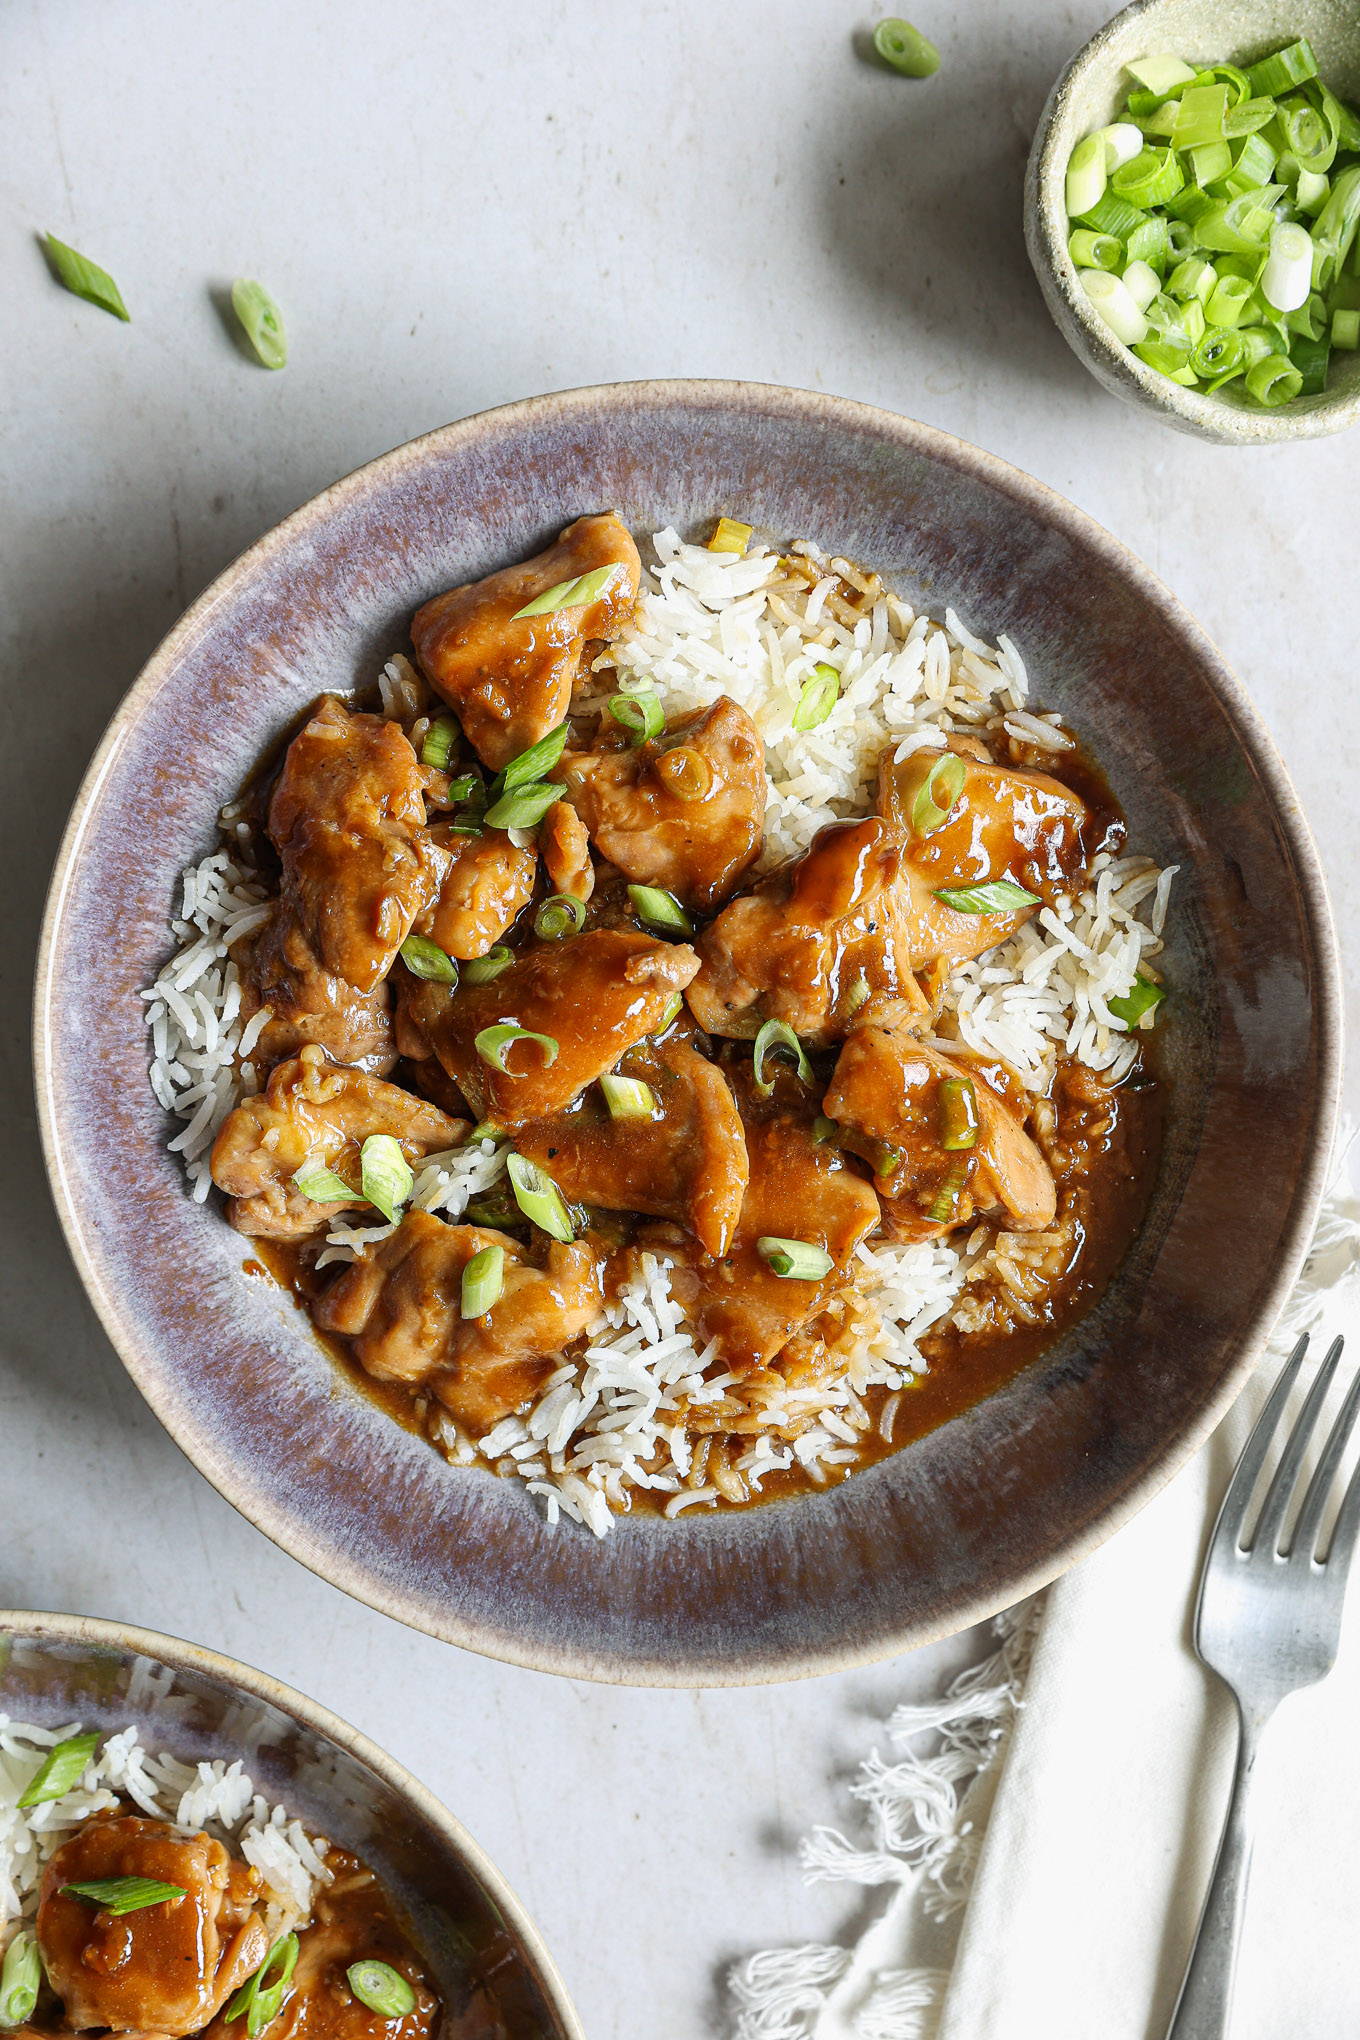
(684, 1160)
(402, 1307)
(164, 1969)
(685, 812)
(348, 820)
(486, 881)
(898, 1103)
(310, 1006)
(315, 1110)
(812, 942)
(1004, 824)
(509, 677)
(592, 998)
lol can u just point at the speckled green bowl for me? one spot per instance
(1086, 96)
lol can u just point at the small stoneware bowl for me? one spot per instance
(493, 1973)
(1087, 96)
(980, 1511)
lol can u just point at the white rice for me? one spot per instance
(217, 1797)
(709, 624)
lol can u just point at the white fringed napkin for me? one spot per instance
(1077, 1825)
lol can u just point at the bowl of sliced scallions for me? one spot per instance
(1192, 212)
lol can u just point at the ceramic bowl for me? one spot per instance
(985, 1508)
(491, 1969)
(1087, 96)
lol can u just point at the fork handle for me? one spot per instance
(1205, 2002)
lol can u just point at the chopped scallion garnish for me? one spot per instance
(559, 915)
(437, 746)
(85, 279)
(483, 970)
(627, 1097)
(533, 763)
(999, 896)
(494, 1043)
(569, 594)
(262, 321)
(119, 1895)
(819, 696)
(660, 910)
(670, 1011)
(315, 1180)
(524, 808)
(641, 714)
(958, 1113)
(483, 1281)
(539, 1198)
(824, 1129)
(60, 1769)
(386, 1175)
(382, 1988)
(945, 1208)
(1132, 1006)
(20, 1978)
(425, 959)
(943, 785)
(729, 536)
(777, 1034)
(262, 1999)
(797, 1260)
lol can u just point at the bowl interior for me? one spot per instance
(1089, 95)
(985, 1507)
(492, 1974)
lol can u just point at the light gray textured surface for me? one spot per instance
(456, 206)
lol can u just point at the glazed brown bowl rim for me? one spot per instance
(302, 1539)
(129, 1640)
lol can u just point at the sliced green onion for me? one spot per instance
(1153, 176)
(1161, 74)
(1274, 381)
(1228, 74)
(62, 1767)
(658, 909)
(1114, 304)
(1310, 357)
(1086, 175)
(627, 1097)
(943, 785)
(321, 1184)
(669, 1012)
(856, 996)
(1312, 191)
(262, 321)
(1142, 283)
(539, 1198)
(824, 1129)
(386, 1175)
(485, 1129)
(1210, 162)
(1192, 281)
(1221, 353)
(1199, 116)
(569, 594)
(494, 1043)
(119, 1895)
(1287, 277)
(819, 696)
(259, 1999)
(1167, 352)
(20, 1977)
(729, 536)
(796, 1259)
(773, 1035)
(1149, 242)
(1287, 67)
(533, 763)
(1123, 141)
(378, 1985)
(1334, 230)
(1346, 329)
(558, 916)
(483, 1281)
(999, 896)
(1192, 319)
(1239, 226)
(483, 970)
(959, 1111)
(946, 1205)
(425, 959)
(1309, 135)
(1252, 166)
(641, 714)
(904, 49)
(1248, 117)
(1227, 300)
(467, 789)
(1095, 251)
(1113, 215)
(1188, 205)
(524, 808)
(1339, 116)
(86, 279)
(437, 745)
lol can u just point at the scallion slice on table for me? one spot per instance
(797, 1260)
(998, 896)
(569, 594)
(660, 910)
(382, 1988)
(523, 807)
(61, 1768)
(905, 50)
(320, 1183)
(85, 279)
(386, 1175)
(119, 1895)
(818, 698)
(958, 1113)
(539, 1198)
(775, 1035)
(261, 1998)
(425, 959)
(1144, 998)
(559, 915)
(261, 321)
(493, 1044)
(641, 714)
(627, 1097)
(483, 1281)
(437, 745)
(483, 970)
(20, 1978)
(729, 536)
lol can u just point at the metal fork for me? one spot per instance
(1268, 1622)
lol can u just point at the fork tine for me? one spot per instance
(1315, 1501)
(1234, 1509)
(1342, 1547)
(1266, 1536)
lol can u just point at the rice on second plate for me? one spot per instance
(610, 1421)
